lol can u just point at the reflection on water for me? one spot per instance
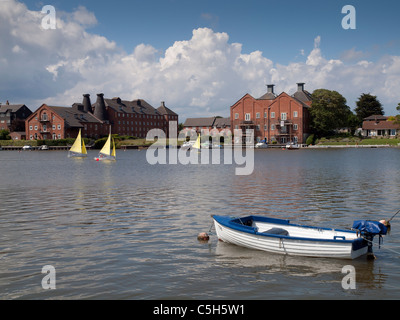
(127, 230)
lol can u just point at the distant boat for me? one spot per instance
(281, 236)
(43, 147)
(78, 149)
(261, 145)
(108, 150)
(292, 146)
(188, 144)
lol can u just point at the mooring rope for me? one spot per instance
(384, 247)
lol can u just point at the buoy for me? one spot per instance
(203, 236)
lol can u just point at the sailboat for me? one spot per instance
(108, 150)
(78, 149)
(197, 143)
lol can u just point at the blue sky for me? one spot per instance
(280, 29)
(300, 41)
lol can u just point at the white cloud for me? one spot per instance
(84, 17)
(202, 76)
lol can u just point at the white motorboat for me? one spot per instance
(261, 144)
(281, 236)
(292, 146)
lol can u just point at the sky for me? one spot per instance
(200, 57)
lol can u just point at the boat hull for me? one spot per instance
(308, 245)
(76, 155)
(105, 158)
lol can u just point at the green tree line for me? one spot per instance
(329, 112)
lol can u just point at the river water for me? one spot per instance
(128, 229)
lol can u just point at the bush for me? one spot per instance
(56, 143)
(98, 144)
(5, 134)
(310, 139)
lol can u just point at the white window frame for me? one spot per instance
(247, 117)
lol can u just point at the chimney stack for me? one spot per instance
(100, 109)
(300, 86)
(270, 88)
(87, 105)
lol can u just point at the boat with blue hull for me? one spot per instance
(282, 237)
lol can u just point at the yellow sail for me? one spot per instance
(77, 146)
(107, 146)
(83, 147)
(113, 151)
(197, 143)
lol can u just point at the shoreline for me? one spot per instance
(341, 146)
(133, 147)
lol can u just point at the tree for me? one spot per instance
(4, 134)
(368, 105)
(328, 112)
(397, 120)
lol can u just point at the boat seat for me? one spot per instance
(278, 231)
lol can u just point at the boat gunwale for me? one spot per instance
(229, 223)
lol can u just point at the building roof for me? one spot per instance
(74, 117)
(164, 110)
(10, 107)
(222, 122)
(303, 96)
(270, 95)
(217, 122)
(380, 125)
(267, 96)
(199, 122)
(376, 117)
(139, 106)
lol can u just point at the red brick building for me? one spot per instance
(380, 126)
(279, 119)
(128, 118)
(12, 117)
(133, 118)
(50, 122)
(212, 124)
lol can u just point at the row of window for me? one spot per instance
(35, 136)
(247, 116)
(273, 127)
(140, 123)
(144, 116)
(45, 127)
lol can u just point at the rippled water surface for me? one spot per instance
(128, 230)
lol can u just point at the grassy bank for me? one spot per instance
(97, 145)
(357, 141)
(140, 142)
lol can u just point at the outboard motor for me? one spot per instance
(368, 230)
